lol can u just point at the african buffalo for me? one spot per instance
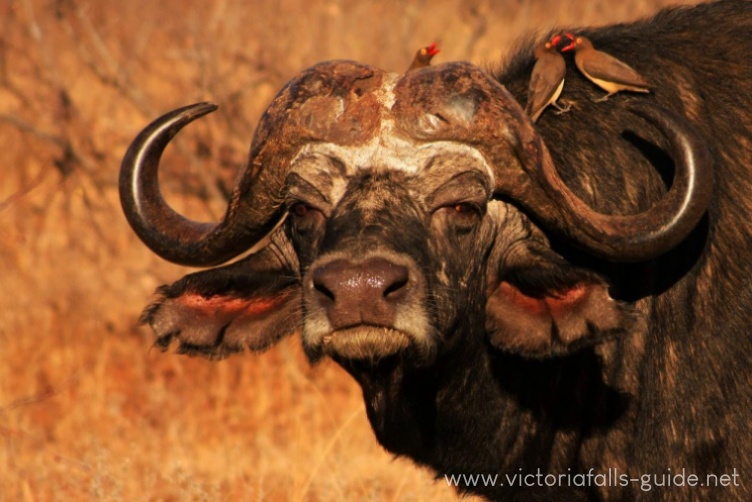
(568, 298)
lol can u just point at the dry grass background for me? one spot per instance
(87, 409)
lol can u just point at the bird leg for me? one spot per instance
(562, 107)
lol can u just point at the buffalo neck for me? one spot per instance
(490, 412)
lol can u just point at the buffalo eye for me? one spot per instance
(300, 209)
(305, 217)
(463, 208)
(461, 215)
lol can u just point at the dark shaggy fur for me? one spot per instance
(667, 391)
(674, 394)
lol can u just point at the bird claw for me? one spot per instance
(601, 100)
(564, 107)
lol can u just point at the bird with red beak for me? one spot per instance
(423, 57)
(547, 79)
(604, 70)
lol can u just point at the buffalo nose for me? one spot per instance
(361, 293)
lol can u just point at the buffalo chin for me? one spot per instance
(365, 343)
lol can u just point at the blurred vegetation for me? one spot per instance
(87, 409)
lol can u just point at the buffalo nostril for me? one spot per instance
(360, 292)
(320, 278)
(324, 291)
(395, 290)
(350, 286)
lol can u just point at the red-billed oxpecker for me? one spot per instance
(423, 57)
(604, 70)
(547, 79)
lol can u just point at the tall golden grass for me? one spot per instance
(87, 409)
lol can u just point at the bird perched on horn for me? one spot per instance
(423, 57)
(604, 70)
(547, 79)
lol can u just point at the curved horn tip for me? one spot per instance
(684, 135)
(185, 115)
(647, 110)
(168, 234)
(655, 231)
(200, 109)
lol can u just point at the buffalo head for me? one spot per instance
(403, 216)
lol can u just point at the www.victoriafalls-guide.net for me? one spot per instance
(611, 478)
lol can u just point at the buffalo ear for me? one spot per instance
(545, 307)
(252, 303)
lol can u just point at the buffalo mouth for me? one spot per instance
(365, 343)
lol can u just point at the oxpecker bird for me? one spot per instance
(547, 79)
(423, 57)
(604, 70)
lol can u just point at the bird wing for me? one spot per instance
(548, 73)
(608, 68)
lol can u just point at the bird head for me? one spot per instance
(430, 50)
(574, 42)
(554, 42)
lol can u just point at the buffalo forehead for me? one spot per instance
(388, 152)
(418, 123)
(432, 163)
